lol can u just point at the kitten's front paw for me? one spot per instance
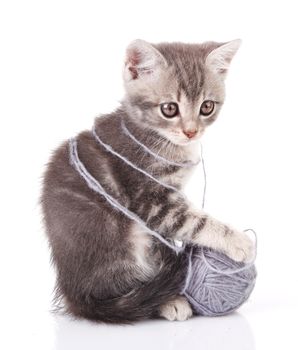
(239, 246)
(176, 310)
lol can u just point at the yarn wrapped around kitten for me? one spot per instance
(215, 284)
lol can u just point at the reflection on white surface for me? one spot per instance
(231, 332)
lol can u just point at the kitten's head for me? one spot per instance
(176, 89)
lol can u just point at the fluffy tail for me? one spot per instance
(139, 304)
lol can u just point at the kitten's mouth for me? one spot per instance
(180, 139)
(186, 141)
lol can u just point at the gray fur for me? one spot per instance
(104, 272)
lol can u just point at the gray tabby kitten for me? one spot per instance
(108, 267)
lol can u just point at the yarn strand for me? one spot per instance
(125, 160)
(155, 155)
(96, 186)
(224, 272)
(204, 175)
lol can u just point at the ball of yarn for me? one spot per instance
(217, 285)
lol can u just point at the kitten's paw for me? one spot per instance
(239, 246)
(176, 310)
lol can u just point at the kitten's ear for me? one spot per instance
(142, 61)
(220, 58)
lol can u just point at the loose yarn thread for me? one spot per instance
(125, 160)
(96, 186)
(155, 155)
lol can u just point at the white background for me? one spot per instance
(60, 65)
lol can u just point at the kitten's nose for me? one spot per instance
(190, 133)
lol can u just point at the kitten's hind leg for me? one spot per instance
(176, 310)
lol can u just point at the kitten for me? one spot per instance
(108, 267)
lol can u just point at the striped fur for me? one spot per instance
(107, 268)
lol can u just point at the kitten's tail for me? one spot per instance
(142, 303)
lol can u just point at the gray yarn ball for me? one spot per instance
(217, 285)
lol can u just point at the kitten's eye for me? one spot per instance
(169, 110)
(207, 107)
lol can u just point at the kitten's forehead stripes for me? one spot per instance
(188, 68)
(178, 94)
